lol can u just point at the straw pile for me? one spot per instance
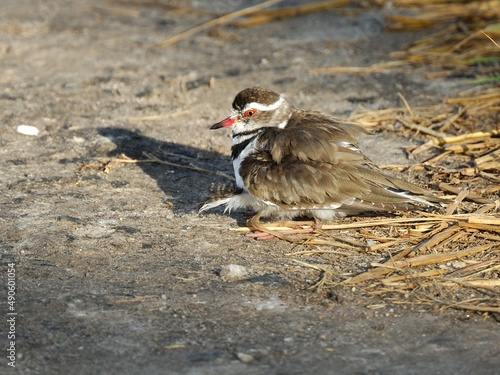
(424, 259)
(465, 47)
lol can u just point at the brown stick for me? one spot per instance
(470, 196)
(216, 22)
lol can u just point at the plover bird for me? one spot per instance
(290, 163)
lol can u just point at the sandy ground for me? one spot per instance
(116, 272)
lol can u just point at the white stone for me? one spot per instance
(28, 130)
(245, 358)
(233, 271)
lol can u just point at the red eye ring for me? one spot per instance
(250, 113)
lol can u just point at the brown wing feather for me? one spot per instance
(304, 166)
(328, 141)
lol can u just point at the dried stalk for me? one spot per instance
(216, 22)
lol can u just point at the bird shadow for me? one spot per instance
(187, 175)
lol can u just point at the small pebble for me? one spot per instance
(245, 358)
(233, 271)
(28, 130)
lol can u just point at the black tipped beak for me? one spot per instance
(216, 126)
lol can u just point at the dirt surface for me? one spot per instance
(116, 272)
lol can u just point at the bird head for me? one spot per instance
(255, 108)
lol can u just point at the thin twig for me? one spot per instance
(454, 205)
(153, 158)
(216, 22)
(490, 38)
(470, 196)
(407, 105)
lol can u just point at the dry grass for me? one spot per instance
(423, 258)
(465, 47)
(463, 131)
(265, 16)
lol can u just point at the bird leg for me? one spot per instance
(317, 224)
(262, 232)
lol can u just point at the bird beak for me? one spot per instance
(226, 123)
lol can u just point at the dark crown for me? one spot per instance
(254, 94)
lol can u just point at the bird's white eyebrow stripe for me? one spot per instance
(263, 107)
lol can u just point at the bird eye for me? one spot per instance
(249, 113)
